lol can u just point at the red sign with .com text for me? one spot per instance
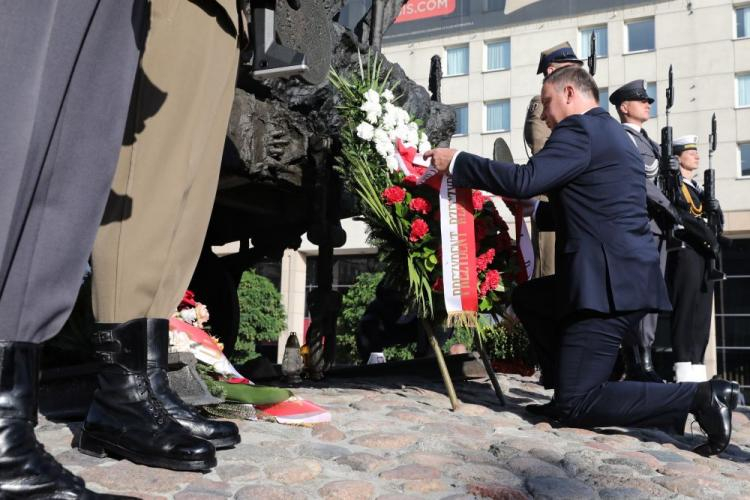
(422, 9)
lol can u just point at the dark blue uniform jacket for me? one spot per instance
(606, 259)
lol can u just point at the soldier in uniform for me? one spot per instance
(687, 273)
(633, 106)
(535, 133)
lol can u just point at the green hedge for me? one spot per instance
(262, 316)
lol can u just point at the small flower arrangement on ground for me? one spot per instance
(381, 148)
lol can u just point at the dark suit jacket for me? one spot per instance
(606, 259)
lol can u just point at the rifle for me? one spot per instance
(591, 61)
(710, 203)
(669, 178)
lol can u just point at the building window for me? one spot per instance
(651, 91)
(604, 98)
(462, 119)
(498, 116)
(498, 55)
(601, 41)
(458, 60)
(733, 314)
(743, 90)
(743, 21)
(640, 35)
(745, 159)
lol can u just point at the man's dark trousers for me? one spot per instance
(587, 342)
(67, 71)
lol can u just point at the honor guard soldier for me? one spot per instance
(691, 292)
(633, 106)
(535, 133)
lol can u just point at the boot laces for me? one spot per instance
(153, 405)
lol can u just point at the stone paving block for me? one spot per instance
(268, 492)
(203, 489)
(410, 416)
(684, 469)
(364, 462)
(549, 455)
(666, 456)
(532, 467)
(149, 479)
(496, 491)
(634, 464)
(429, 459)
(324, 451)
(425, 486)
(410, 472)
(558, 488)
(475, 473)
(237, 472)
(385, 441)
(623, 494)
(347, 490)
(294, 471)
(327, 432)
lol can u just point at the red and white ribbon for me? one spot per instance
(459, 251)
(457, 236)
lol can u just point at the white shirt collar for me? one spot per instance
(633, 126)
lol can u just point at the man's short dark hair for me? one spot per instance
(576, 76)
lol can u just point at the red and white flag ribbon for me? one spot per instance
(459, 252)
(457, 235)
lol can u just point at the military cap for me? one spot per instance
(684, 143)
(559, 53)
(632, 91)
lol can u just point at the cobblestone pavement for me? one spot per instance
(397, 439)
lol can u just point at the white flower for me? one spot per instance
(372, 96)
(189, 316)
(388, 95)
(365, 131)
(373, 110)
(424, 143)
(383, 143)
(391, 163)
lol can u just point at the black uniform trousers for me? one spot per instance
(691, 295)
(577, 355)
(66, 75)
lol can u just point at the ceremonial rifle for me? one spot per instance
(592, 54)
(670, 179)
(710, 203)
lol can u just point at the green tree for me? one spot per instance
(353, 306)
(262, 316)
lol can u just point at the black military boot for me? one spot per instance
(712, 406)
(221, 433)
(126, 419)
(26, 470)
(639, 366)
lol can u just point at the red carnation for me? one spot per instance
(188, 301)
(418, 229)
(420, 205)
(491, 282)
(485, 260)
(478, 199)
(410, 180)
(393, 194)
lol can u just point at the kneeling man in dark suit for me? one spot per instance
(607, 273)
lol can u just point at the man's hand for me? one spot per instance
(441, 158)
